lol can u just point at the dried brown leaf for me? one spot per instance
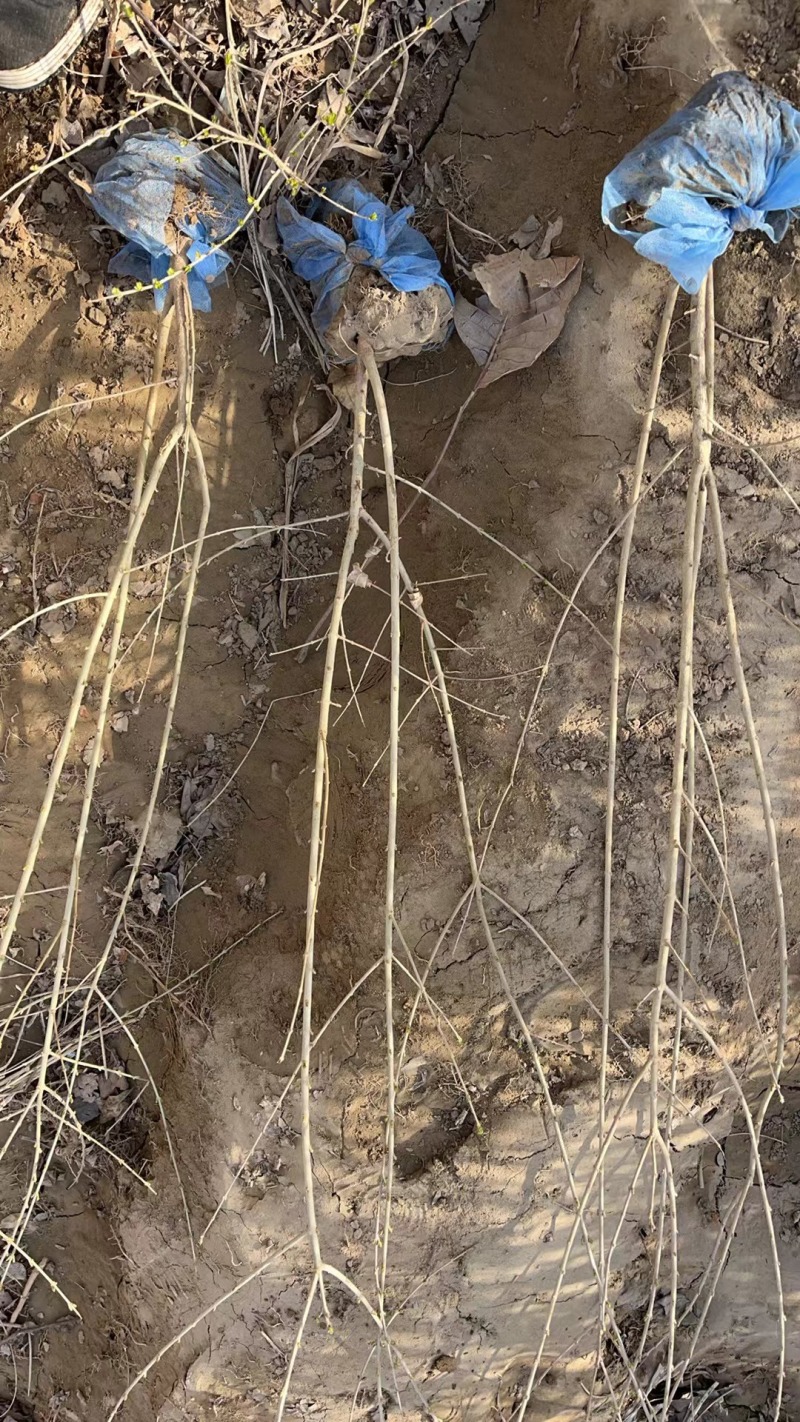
(528, 233)
(342, 381)
(264, 18)
(522, 313)
(439, 15)
(478, 327)
(467, 16)
(512, 280)
(554, 230)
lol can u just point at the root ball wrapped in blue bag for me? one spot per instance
(729, 161)
(385, 284)
(157, 187)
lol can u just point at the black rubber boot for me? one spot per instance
(38, 36)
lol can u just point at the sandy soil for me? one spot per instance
(541, 463)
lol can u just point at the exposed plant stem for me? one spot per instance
(613, 712)
(368, 357)
(318, 816)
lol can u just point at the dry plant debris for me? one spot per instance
(71, 1082)
(522, 312)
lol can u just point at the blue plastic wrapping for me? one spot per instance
(727, 162)
(383, 241)
(135, 193)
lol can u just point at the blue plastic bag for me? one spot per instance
(727, 162)
(383, 241)
(134, 193)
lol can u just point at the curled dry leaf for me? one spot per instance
(553, 231)
(342, 382)
(522, 312)
(528, 234)
(358, 577)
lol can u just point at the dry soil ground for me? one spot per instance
(552, 95)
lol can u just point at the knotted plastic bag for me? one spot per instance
(727, 162)
(383, 242)
(158, 188)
